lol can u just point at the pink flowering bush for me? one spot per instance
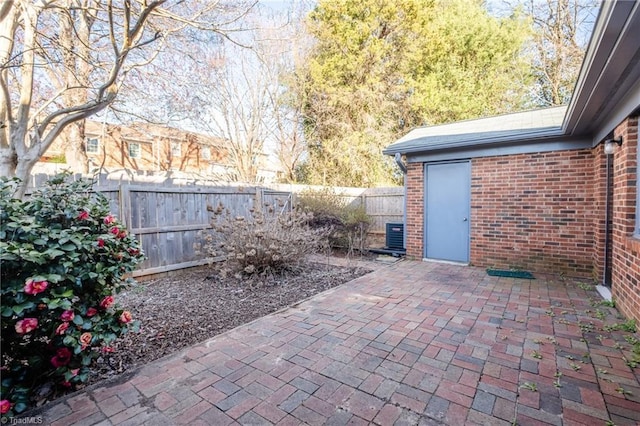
(64, 259)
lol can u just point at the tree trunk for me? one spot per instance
(8, 161)
(8, 23)
(75, 149)
(75, 37)
(23, 172)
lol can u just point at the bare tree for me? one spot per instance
(247, 102)
(286, 94)
(165, 91)
(290, 147)
(561, 28)
(236, 111)
(63, 61)
(239, 92)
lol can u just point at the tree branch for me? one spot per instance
(70, 115)
(29, 17)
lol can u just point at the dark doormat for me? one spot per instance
(510, 274)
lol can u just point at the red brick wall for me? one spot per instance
(541, 212)
(415, 207)
(534, 211)
(545, 212)
(626, 248)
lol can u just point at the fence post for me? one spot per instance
(258, 199)
(124, 198)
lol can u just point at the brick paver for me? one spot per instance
(412, 343)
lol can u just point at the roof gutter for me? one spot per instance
(611, 35)
(579, 97)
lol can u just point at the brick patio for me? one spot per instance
(412, 343)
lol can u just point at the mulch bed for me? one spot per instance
(183, 309)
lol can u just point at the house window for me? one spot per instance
(134, 150)
(176, 149)
(205, 153)
(93, 145)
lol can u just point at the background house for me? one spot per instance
(154, 149)
(535, 190)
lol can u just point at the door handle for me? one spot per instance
(465, 219)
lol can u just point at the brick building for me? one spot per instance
(151, 149)
(536, 190)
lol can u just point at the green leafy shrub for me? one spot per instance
(64, 257)
(264, 243)
(355, 228)
(349, 223)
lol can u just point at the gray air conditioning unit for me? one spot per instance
(395, 236)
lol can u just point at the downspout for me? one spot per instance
(605, 280)
(403, 168)
(605, 288)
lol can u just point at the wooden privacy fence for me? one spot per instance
(168, 218)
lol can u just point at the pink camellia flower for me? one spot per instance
(83, 215)
(75, 372)
(67, 316)
(85, 339)
(62, 328)
(34, 287)
(122, 234)
(5, 406)
(109, 219)
(65, 384)
(107, 349)
(107, 302)
(133, 252)
(91, 312)
(100, 242)
(26, 325)
(126, 317)
(115, 231)
(62, 358)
